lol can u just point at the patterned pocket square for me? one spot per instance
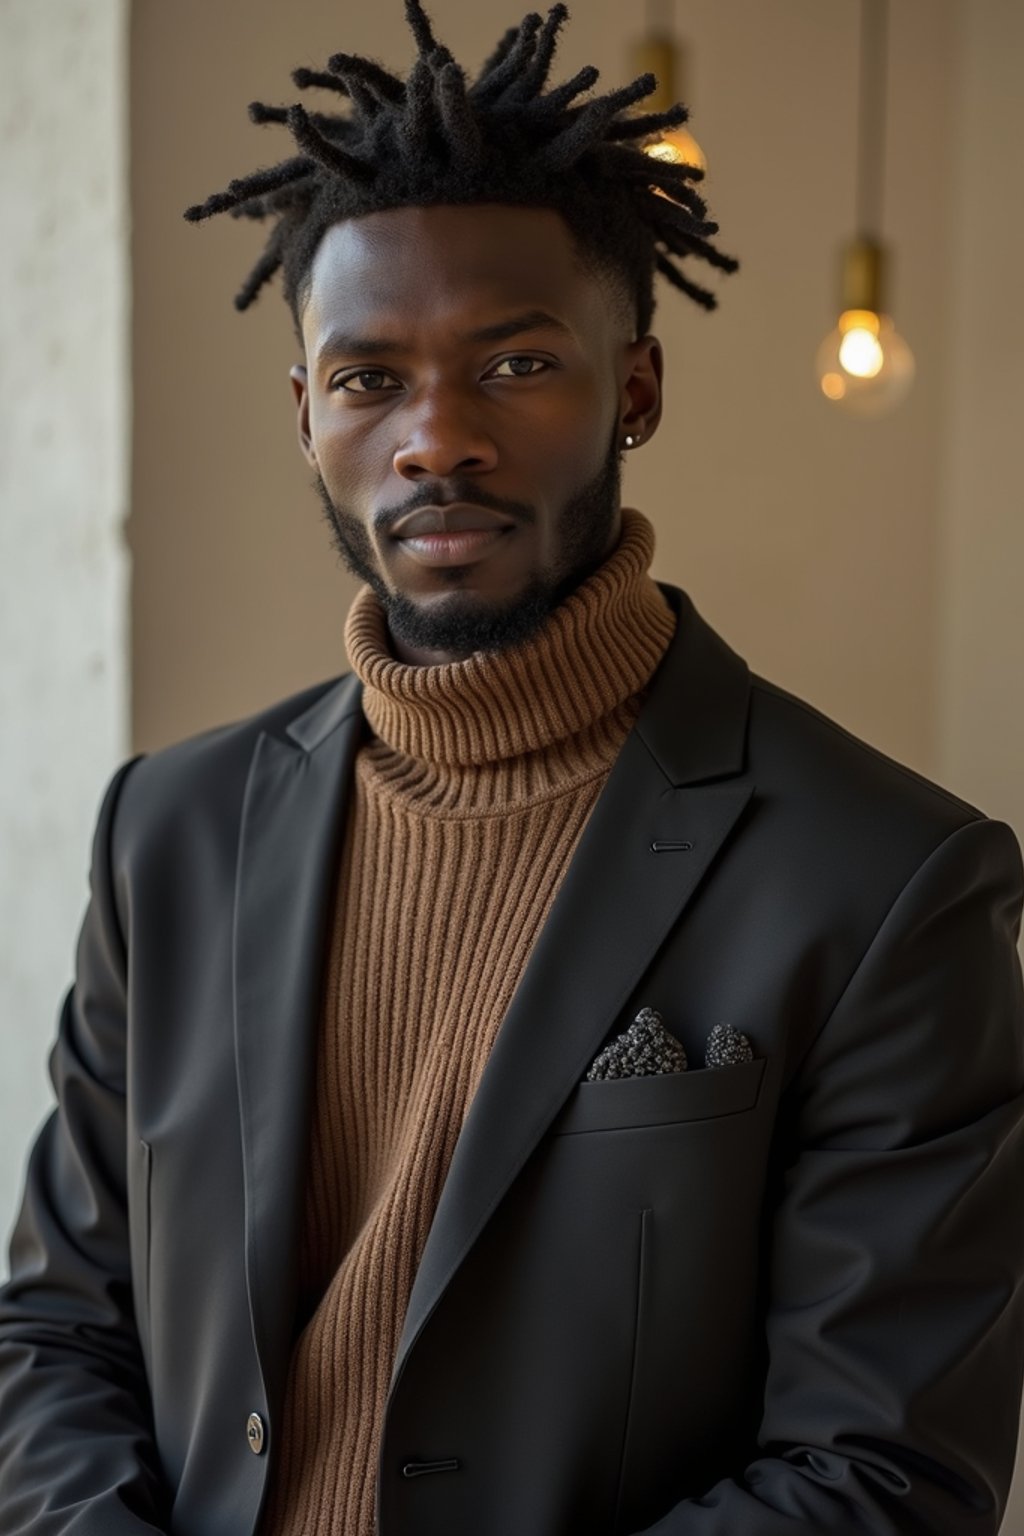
(647, 1048)
(726, 1046)
(642, 1050)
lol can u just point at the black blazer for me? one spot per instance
(779, 1296)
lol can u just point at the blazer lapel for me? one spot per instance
(292, 821)
(617, 903)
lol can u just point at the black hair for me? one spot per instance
(437, 138)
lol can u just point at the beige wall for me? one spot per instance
(981, 717)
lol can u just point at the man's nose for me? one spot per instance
(444, 435)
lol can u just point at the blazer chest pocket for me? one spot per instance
(666, 1098)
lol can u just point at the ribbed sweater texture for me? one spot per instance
(469, 798)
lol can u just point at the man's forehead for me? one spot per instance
(398, 260)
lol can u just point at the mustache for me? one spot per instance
(385, 518)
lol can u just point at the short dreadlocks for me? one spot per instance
(436, 138)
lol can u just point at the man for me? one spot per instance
(547, 1081)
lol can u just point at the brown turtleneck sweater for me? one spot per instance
(468, 802)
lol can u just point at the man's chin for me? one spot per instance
(460, 623)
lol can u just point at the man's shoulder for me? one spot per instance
(843, 828)
(840, 805)
(802, 762)
(806, 767)
(215, 746)
(824, 758)
(202, 776)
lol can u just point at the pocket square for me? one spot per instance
(642, 1050)
(726, 1046)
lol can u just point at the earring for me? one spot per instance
(633, 442)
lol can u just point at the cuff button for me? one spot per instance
(254, 1433)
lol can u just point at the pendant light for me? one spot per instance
(864, 366)
(661, 55)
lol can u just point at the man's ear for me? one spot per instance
(300, 389)
(640, 399)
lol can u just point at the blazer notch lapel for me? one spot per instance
(694, 720)
(289, 850)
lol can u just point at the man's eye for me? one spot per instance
(367, 381)
(521, 367)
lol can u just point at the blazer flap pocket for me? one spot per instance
(662, 1099)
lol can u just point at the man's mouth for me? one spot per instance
(463, 548)
(458, 517)
(459, 534)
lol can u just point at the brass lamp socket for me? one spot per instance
(864, 265)
(662, 57)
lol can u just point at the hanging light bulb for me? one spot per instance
(864, 366)
(660, 55)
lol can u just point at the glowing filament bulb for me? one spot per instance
(678, 147)
(864, 365)
(860, 351)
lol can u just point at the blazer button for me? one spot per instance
(254, 1432)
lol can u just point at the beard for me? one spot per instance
(464, 622)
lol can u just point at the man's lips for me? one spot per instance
(459, 517)
(459, 534)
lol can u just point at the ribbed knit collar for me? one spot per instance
(596, 650)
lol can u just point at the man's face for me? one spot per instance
(467, 389)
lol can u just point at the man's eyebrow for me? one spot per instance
(336, 342)
(530, 320)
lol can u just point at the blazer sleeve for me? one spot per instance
(76, 1443)
(895, 1309)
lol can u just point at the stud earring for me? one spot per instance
(632, 441)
